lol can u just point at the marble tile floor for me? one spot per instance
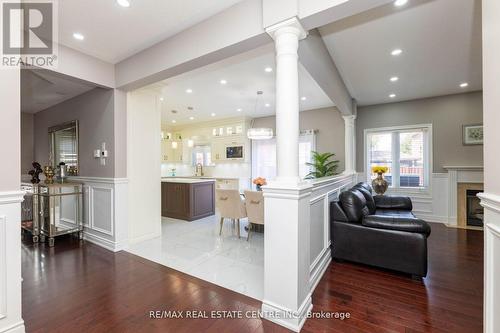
(195, 248)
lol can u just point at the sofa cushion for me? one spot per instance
(393, 202)
(370, 202)
(353, 203)
(397, 223)
(394, 212)
(364, 185)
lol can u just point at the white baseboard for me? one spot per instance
(103, 242)
(16, 328)
(319, 268)
(283, 317)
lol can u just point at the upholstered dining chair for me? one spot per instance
(254, 201)
(230, 206)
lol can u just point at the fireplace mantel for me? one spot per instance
(460, 174)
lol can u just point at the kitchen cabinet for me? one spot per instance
(187, 199)
(170, 154)
(220, 144)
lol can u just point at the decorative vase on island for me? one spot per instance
(49, 173)
(379, 184)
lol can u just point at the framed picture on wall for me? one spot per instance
(472, 134)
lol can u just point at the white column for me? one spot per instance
(490, 199)
(287, 291)
(286, 36)
(350, 144)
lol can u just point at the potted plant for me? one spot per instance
(379, 184)
(322, 165)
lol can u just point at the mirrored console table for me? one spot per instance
(59, 210)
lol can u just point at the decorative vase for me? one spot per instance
(259, 187)
(49, 174)
(379, 184)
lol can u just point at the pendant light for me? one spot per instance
(259, 133)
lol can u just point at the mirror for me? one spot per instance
(64, 146)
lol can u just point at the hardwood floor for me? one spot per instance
(83, 288)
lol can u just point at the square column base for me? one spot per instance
(287, 291)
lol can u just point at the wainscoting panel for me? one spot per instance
(101, 197)
(432, 205)
(102, 204)
(324, 192)
(491, 204)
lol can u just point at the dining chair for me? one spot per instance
(230, 206)
(254, 202)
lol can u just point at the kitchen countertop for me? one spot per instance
(186, 180)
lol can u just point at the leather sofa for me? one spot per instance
(378, 231)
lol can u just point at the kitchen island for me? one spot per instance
(187, 198)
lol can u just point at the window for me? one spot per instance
(202, 155)
(404, 150)
(264, 156)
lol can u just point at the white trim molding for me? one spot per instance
(11, 197)
(491, 204)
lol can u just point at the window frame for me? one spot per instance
(395, 149)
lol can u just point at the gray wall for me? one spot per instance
(94, 111)
(447, 114)
(330, 126)
(27, 142)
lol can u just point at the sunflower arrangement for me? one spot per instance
(379, 169)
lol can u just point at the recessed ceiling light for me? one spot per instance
(268, 69)
(189, 91)
(223, 82)
(267, 105)
(78, 36)
(303, 98)
(161, 99)
(212, 114)
(191, 118)
(400, 3)
(123, 3)
(239, 110)
(174, 121)
(464, 85)
(396, 52)
(394, 79)
(392, 95)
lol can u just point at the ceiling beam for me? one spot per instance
(238, 29)
(316, 59)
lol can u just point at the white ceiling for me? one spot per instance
(245, 75)
(441, 43)
(41, 89)
(113, 33)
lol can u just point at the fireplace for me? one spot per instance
(474, 210)
(470, 212)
